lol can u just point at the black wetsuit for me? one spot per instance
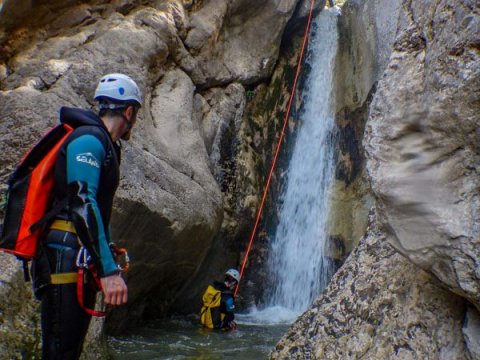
(227, 306)
(87, 174)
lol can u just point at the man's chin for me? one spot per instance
(126, 136)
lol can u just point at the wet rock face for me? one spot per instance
(422, 142)
(366, 35)
(378, 306)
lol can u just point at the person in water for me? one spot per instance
(218, 304)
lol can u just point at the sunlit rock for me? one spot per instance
(378, 306)
(422, 143)
(170, 203)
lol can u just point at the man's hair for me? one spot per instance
(116, 109)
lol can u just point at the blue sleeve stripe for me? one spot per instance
(85, 156)
(229, 305)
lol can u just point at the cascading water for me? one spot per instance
(297, 264)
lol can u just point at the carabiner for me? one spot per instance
(82, 258)
(118, 251)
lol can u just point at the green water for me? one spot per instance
(181, 339)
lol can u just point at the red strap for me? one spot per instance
(80, 280)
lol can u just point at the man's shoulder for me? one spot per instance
(91, 130)
(220, 286)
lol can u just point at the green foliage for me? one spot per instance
(250, 94)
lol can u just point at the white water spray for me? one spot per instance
(297, 265)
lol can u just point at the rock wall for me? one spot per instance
(366, 34)
(420, 141)
(245, 158)
(19, 314)
(378, 306)
(195, 167)
(193, 61)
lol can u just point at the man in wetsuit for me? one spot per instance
(86, 178)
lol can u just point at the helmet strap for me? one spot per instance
(111, 106)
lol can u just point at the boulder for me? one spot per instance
(238, 40)
(422, 141)
(379, 305)
(169, 205)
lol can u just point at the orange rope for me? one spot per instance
(282, 134)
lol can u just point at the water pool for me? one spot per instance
(182, 339)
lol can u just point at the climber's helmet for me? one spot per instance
(116, 92)
(232, 277)
(118, 89)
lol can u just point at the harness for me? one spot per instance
(86, 268)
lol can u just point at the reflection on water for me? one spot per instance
(181, 339)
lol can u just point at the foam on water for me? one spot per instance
(273, 315)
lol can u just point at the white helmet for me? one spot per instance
(234, 274)
(118, 88)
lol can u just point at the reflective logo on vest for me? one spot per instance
(88, 158)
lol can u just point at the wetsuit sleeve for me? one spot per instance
(229, 310)
(229, 305)
(85, 156)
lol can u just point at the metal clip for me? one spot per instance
(121, 257)
(82, 258)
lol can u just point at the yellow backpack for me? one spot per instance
(210, 315)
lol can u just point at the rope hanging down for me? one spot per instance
(280, 139)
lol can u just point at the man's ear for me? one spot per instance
(128, 112)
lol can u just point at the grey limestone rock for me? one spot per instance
(422, 142)
(379, 305)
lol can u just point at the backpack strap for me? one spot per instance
(26, 273)
(54, 211)
(59, 205)
(209, 305)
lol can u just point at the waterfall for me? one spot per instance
(297, 266)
